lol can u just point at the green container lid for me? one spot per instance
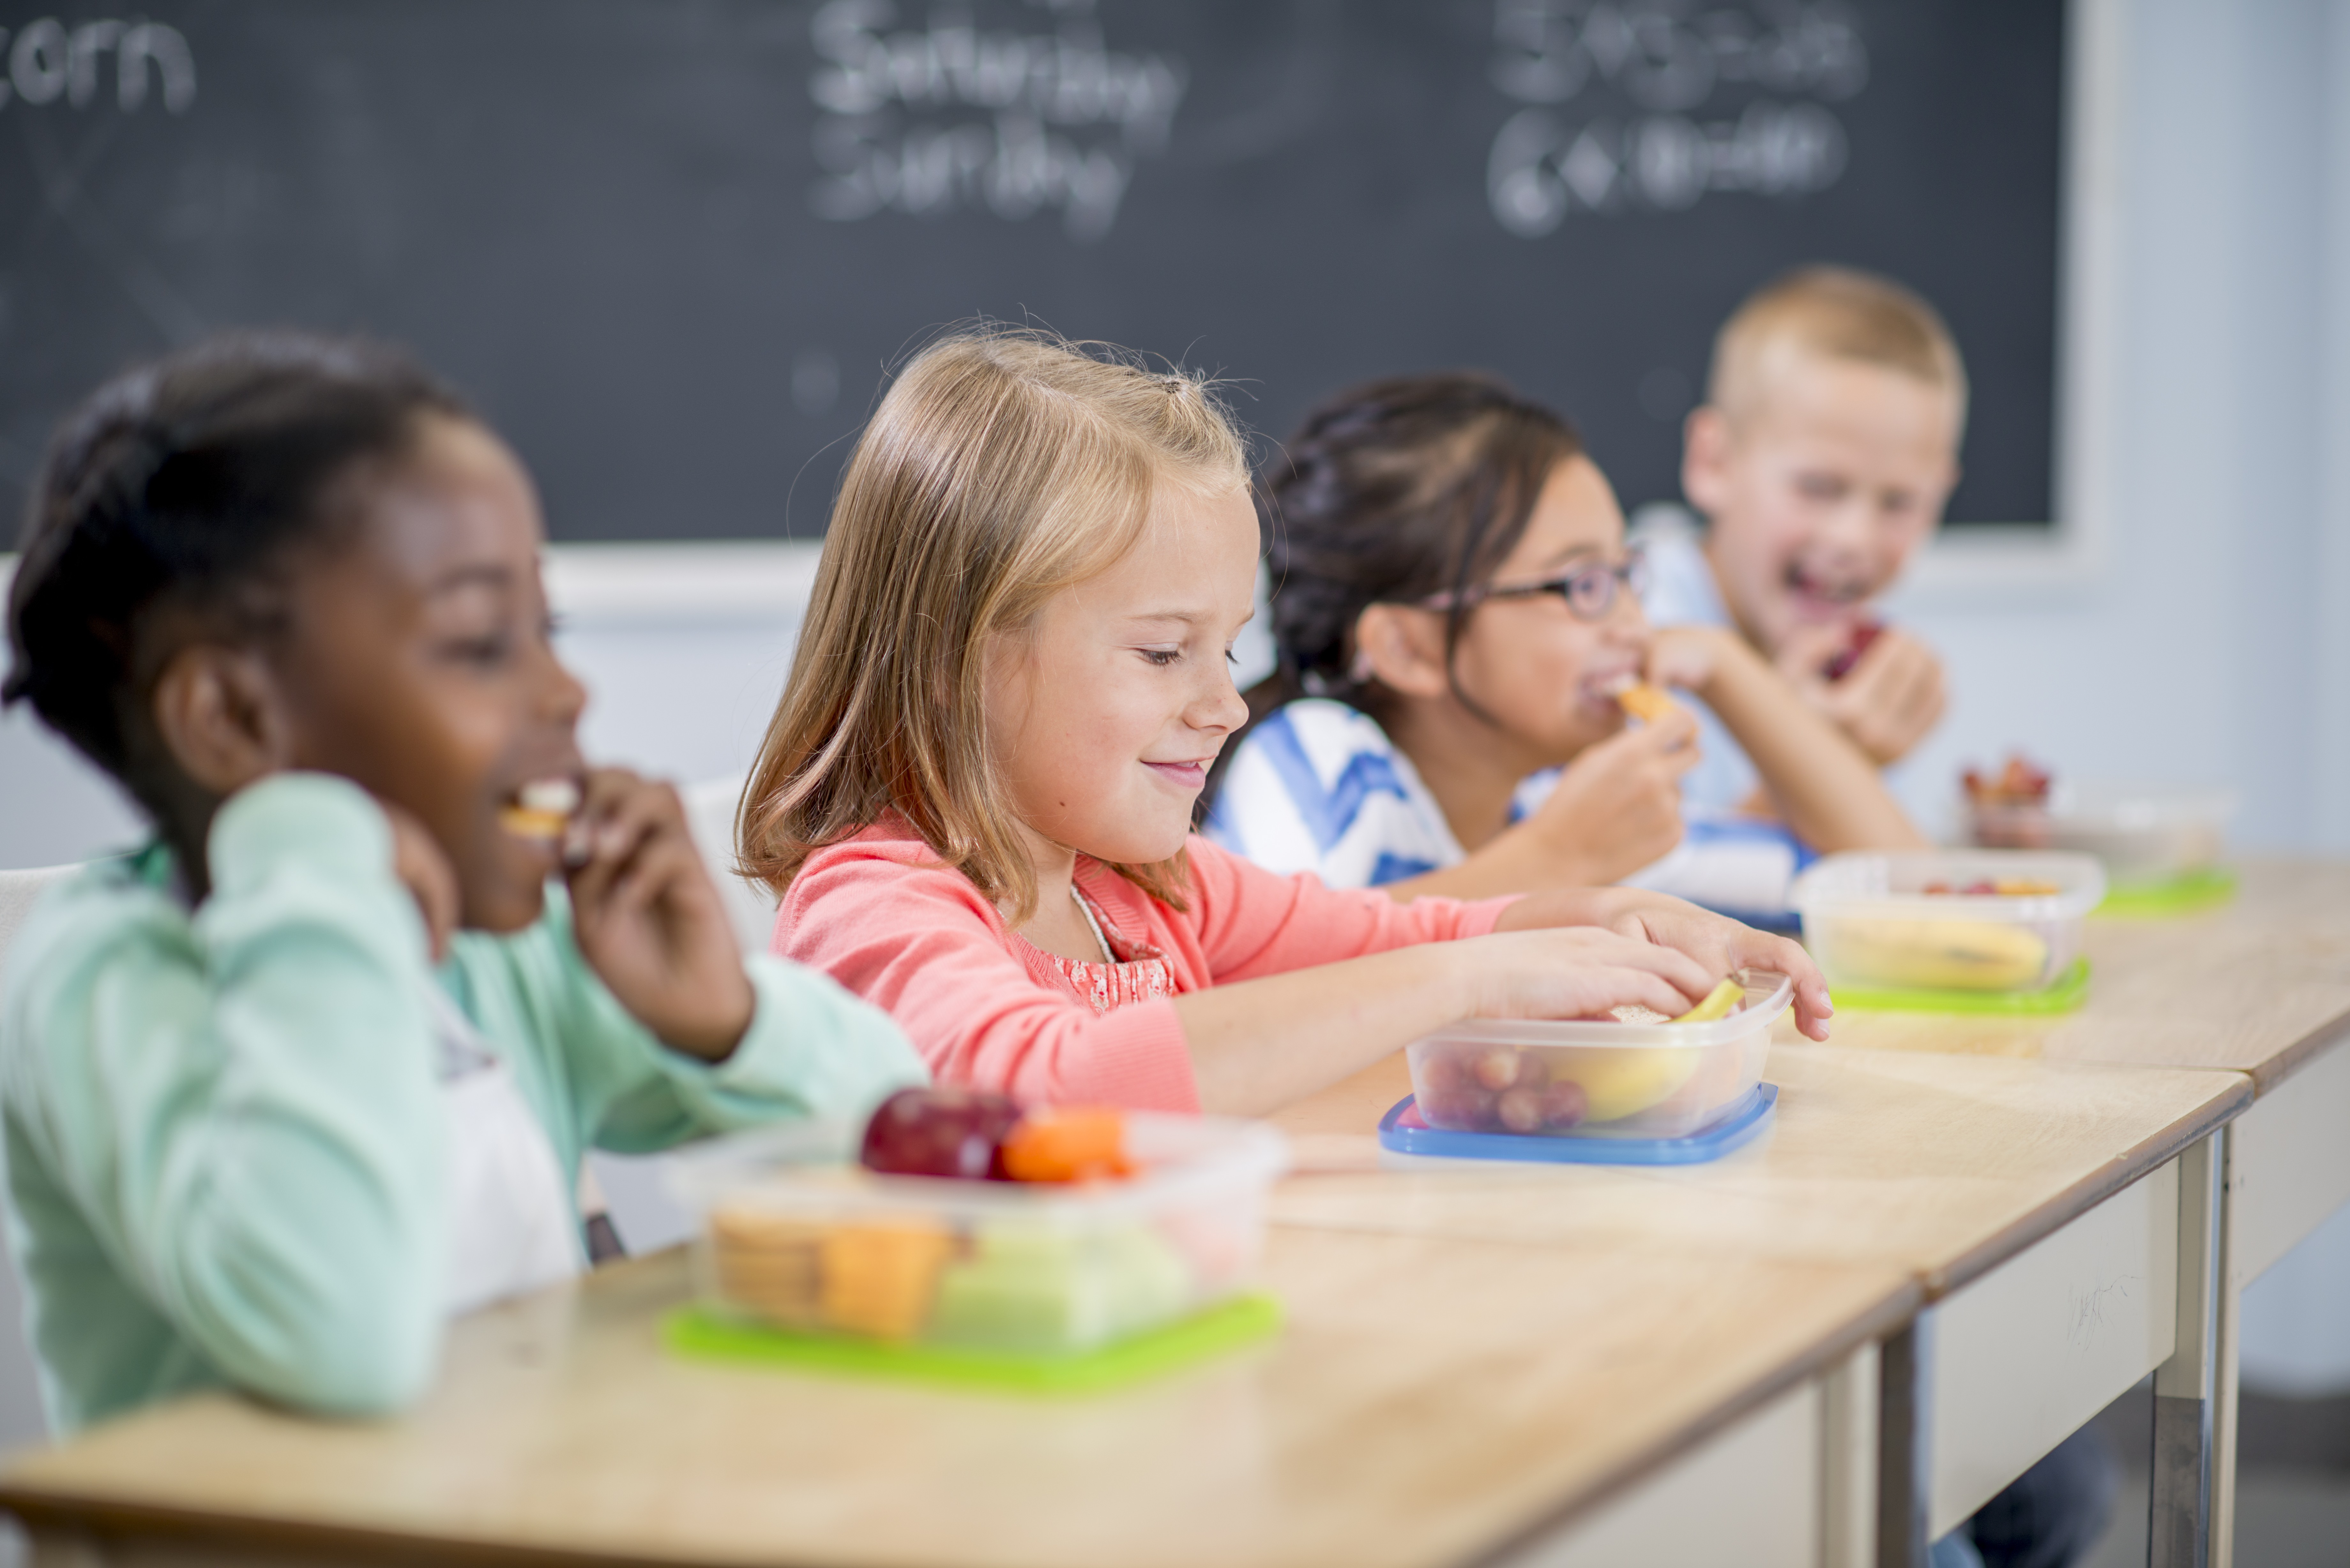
(698, 1332)
(2182, 895)
(2067, 992)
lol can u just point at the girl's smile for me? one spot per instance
(1130, 665)
(1188, 777)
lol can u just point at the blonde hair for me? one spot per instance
(1837, 313)
(1003, 466)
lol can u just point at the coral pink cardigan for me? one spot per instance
(886, 918)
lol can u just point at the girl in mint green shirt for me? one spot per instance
(317, 1066)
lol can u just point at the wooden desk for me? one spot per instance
(1432, 1401)
(2048, 1210)
(2259, 986)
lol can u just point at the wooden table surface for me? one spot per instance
(2258, 985)
(1428, 1401)
(1943, 1165)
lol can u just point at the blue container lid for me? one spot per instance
(1402, 1131)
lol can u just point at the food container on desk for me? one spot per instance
(2144, 835)
(1597, 1077)
(1870, 921)
(796, 1234)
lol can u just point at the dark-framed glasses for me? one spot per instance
(1589, 590)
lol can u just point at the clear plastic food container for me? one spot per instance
(2142, 834)
(1597, 1077)
(795, 1233)
(1870, 920)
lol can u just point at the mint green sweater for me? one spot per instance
(223, 1127)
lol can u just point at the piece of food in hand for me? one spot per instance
(942, 1130)
(1633, 1013)
(1645, 702)
(1862, 634)
(1718, 1003)
(541, 809)
(1062, 1145)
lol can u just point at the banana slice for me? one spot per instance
(1718, 1003)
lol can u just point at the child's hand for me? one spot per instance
(1688, 656)
(1617, 807)
(1889, 700)
(648, 918)
(1577, 972)
(417, 861)
(1721, 946)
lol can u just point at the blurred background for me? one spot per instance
(669, 248)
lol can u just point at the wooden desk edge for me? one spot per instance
(1896, 1308)
(297, 1541)
(2274, 1072)
(2092, 1189)
(43, 1507)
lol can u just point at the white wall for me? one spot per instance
(2207, 644)
(2201, 649)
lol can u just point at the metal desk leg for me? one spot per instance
(2179, 1512)
(1848, 1410)
(1905, 1472)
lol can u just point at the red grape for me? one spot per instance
(1864, 634)
(940, 1131)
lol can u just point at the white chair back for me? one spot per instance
(710, 812)
(21, 1418)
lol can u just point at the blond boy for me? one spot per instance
(1827, 443)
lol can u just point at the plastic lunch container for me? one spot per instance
(1597, 1077)
(1869, 920)
(2142, 834)
(796, 1234)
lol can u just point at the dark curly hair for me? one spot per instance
(173, 496)
(1392, 492)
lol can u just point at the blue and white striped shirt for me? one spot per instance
(1318, 786)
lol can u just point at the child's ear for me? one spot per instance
(1403, 650)
(221, 717)
(1705, 455)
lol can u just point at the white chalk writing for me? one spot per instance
(49, 62)
(1663, 63)
(951, 117)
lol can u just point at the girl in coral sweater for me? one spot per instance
(974, 800)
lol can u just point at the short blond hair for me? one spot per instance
(1837, 313)
(1003, 466)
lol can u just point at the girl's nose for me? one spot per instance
(1222, 706)
(561, 697)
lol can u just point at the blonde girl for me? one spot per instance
(975, 797)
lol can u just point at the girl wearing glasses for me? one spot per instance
(1453, 610)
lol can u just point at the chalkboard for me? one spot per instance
(669, 245)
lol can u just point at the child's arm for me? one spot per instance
(1259, 1045)
(243, 1110)
(1826, 789)
(1616, 808)
(654, 963)
(1285, 1020)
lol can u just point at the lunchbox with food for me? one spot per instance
(2144, 835)
(1116, 1223)
(1962, 920)
(1647, 1077)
